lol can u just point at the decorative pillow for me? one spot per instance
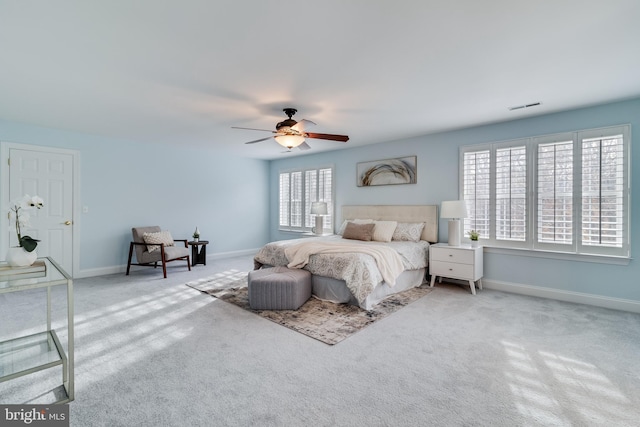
(355, 231)
(383, 230)
(356, 221)
(159, 237)
(408, 231)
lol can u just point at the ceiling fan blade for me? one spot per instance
(264, 130)
(330, 137)
(304, 146)
(258, 140)
(302, 125)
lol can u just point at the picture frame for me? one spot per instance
(399, 170)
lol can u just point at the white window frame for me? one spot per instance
(307, 220)
(531, 240)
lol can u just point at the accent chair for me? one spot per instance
(152, 245)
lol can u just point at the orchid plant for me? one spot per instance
(18, 213)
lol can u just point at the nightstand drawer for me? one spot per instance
(452, 269)
(452, 255)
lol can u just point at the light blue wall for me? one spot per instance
(127, 183)
(438, 180)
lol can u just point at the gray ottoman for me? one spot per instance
(279, 288)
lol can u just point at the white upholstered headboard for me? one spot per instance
(401, 213)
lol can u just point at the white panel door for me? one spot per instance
(50, 176)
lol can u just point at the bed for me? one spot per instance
(357, 275)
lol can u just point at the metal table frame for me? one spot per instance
(25, 355)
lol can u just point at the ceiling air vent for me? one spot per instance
(520, 107)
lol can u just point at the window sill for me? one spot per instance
(305, 233)
(292, 231)
(601, 259)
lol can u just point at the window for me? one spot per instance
(566, 192)
(298, 189)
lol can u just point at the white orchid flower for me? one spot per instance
(19, 215)
(35, 202)
(17, 204)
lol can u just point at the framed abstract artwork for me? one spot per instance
(401, 170)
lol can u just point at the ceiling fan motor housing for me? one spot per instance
(288, 122)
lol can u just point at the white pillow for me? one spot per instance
(355, 221)
(158, 237)
(408, 231)
(383, 230)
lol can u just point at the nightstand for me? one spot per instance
(456, 262)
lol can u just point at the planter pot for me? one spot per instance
(474, 243)
(18, 257)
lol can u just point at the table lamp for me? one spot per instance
(319, 209)
(454, 210)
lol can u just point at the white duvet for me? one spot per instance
(388, 260)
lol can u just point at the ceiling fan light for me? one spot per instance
(289, 141)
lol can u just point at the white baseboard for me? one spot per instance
(222, 255)
(568, 296)
(116, 269)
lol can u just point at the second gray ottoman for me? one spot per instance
(279, 288)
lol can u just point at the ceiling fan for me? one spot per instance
(290, 133)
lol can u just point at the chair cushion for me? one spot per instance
(158, 237)
(173, 252)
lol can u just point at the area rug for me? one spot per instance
(322, 320)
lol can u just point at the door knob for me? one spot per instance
(67, 223)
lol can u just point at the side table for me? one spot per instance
(28, 354)
(456, 262)
(199, 252)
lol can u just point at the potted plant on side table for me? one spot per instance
(473, 235)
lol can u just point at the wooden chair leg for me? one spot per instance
(130, 255)
(164, 261)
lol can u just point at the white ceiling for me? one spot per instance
(184, 72)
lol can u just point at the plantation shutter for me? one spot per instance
(555, 193)
(476, 175)
(603, 191)
(311, 195)
(284, 200)
(298, 190)
(296, 199)
(325, 194)
(511, 193)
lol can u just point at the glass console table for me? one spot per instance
(25, 355)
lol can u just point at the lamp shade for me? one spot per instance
(289, 141)
(453, 209)
(318, 208)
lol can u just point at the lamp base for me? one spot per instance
(319, 225)
(454, 232)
